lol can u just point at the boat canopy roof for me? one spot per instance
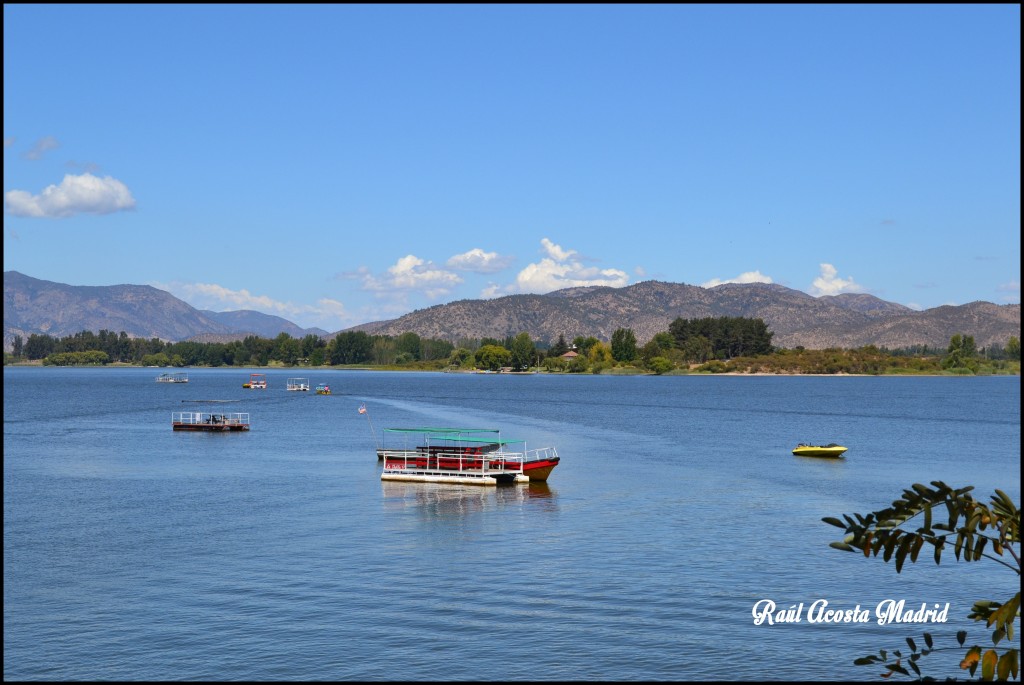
(464, 440)
(434, 429)
(463, 436)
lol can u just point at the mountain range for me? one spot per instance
(796, 318)
(32, 306)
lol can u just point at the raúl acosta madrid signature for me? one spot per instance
(765, 611)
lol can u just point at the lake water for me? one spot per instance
(135, 552)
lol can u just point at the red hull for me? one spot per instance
(535, 470)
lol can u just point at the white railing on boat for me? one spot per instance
(172, 378)
(452, 465)
(297, 384)
(197, 418)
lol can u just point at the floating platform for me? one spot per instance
(172, 378)
(209, 422)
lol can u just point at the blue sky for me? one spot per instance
(339, 164)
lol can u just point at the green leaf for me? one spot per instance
(961, 635)
(916, 548)
(832, 521)
(988, 664)
(1003, 669)
(979, 547)
(890, 544)
(897, 669)
(901, 554)
(928, 640)
(913, 645)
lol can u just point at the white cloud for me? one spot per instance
(1011, 290)
(86, 194)
(326, 313)
(42, 146)
(560, 269)
(745, 277)
(8, 142)
(829, 283)
(410, 273)
(555, 251)
(491, 291)
(1009, 287)
(478, 261)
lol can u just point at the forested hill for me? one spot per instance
(796, 318)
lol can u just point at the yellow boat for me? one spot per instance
(831, 450)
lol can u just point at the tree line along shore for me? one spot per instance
(723, 345)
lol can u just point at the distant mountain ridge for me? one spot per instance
(647, 308)
(796, 318)
(32, 306)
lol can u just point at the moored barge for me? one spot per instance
(207, 422)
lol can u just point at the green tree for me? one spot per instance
(318, 356)
(19, 345)
(433, 348)
(555, 364)
(1013, 349)
(384, 351)
(559, 348)
(624, 345)
(976, 531)
(728, 336)
(85, 357)
(579, 364)
(599, 353)
(460, 357)
(960, 353)
(493, 357)
(523, 352)
(352, 347)
(158, 359)
(215, 354)
(409, 343)
(583, 345)
(39, 346)
(659, 365)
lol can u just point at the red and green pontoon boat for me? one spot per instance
(470, 451)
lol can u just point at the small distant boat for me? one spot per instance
(323, 389)
(172, 378)
(257, 381)
(207, 422)
(463, 455)
(301, 384)
(831, 450)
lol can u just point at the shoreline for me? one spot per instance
(120, 365)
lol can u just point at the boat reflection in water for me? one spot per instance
(446, 500)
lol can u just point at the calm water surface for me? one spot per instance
(134, 552)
